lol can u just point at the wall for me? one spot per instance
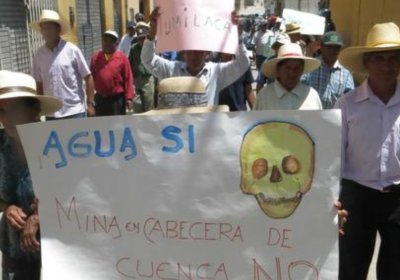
(353, 18)
(64, 11)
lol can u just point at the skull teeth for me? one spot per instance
(276, 201)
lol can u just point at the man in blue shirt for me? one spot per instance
(331, 79)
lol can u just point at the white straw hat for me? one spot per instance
(289, 51)
(381, 37)
(50, 16)
(19, 85)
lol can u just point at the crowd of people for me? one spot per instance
(295, 72)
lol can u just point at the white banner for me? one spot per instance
(311, 24)
(196, 196)
(196, 25)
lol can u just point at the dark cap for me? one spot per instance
(332, 38)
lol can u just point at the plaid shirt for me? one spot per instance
(330, 82)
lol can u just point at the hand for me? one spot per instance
(236, 21)
(342, 214)
(15, 217)
(90, 111)
(154, 16)
(29, 240)
(129, 104)
(35, 205)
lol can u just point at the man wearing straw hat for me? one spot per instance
(371, 157)
(216, 76)
(287, 92)
(59, 68)
(19, 225)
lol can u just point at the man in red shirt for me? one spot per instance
(112, 77)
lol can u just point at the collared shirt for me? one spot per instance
(112, 77)
(371, 137)
(215, 76)
(275, 97)
(125, 44)
(263, 42)
(235, 95)
(330, 82)
(62, 71)
(138, 69)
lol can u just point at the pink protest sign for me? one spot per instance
(196, 25)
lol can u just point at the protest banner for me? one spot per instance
(196, 25)
(311, 24)
(195, 196)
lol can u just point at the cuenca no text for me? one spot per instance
(155, 230)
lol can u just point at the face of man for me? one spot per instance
(109, 43)
(50, 31)
(383, 67)
(14, 112)
(289, 71)
(195, 60)
(330, 53)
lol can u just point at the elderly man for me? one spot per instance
(112, 78)
(370, 158)
(59, 69)
(216, 76)
(331, 79)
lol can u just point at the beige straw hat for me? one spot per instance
(50, 16)
(289, 51)
(19, 85)
(292, 28)
(381, 37)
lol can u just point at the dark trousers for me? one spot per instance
(20, 270)
(370, 211)
(110, 105)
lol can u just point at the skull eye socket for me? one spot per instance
(259, 168)
(291, 165)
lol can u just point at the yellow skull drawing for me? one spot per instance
(277, 164)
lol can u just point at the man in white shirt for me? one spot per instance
(370, 157)
(126, 40)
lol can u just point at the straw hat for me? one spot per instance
(381, 37)
(293, 28)
(289, 51)
(50, 16)
(182, 91)
(18, 85)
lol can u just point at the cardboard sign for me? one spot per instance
(311, 24)
(195, 196)
(196, 25)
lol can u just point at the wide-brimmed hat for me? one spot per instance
(142, 32)
(184, 91)
(19, 85)
(50, 16)
(292, 28)
(289, 51)
(381, 37)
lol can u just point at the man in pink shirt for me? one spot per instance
(113, 78)
(371, 157)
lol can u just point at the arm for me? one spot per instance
(90, 95)
(250, 96)
(230, 71)
(158, 66)
(39, 88)
(128, 83)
